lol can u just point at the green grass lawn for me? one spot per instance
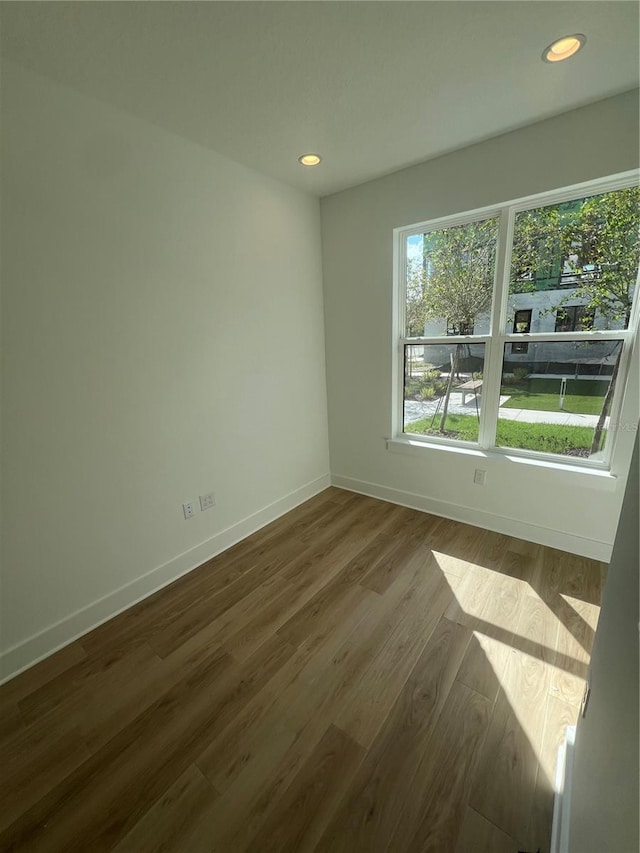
(545, 438)
(583, 397)
(462, 427)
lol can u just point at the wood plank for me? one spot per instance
(118, 703)
(576, 631)
(333, 594)
(34, 761)
(471, 596)
(279, 554)
(73, 688)
(298, 818)
(357, 516)
(492, 548)
(560, 573)
(412, 525)
(159, 745)
(214, 715)
(292, 726)
(296, 708)
(537, 629)
(120, 782)
(503, 606)
(478, 835)
(506, 775)
(101, 801)
(458, 540)
(485, 661)
(263, 613)
(369, 814)
(432, 816)
(315, 661)
(517, 561)
(380, 684)
(45, 672)
(166, 635)
(10, 720)
(167, 823)
(284, 742)
(250, 562)
(448, 564)
(392, 562)
(559, 715)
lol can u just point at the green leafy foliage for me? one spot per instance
(536, 244)
(426, 386)
(520, 374)
(598, 240)
(454, 281)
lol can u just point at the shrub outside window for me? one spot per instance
(516, 323)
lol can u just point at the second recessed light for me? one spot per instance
(309, 159)
(564, 48)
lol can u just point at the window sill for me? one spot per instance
(411, 447)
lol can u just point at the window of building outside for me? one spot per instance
(516, 323)
(574, 318)
(522, 326)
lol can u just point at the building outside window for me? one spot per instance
(561, 269)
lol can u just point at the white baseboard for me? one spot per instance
(480, 518)
(39, 646)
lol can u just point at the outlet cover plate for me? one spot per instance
(207, 501)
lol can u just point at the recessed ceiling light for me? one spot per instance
(564, 48)
(309, 159)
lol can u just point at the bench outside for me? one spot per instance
(473, 386)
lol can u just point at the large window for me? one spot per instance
(516, 323)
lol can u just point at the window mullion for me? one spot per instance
(493, 354)
(399, 322)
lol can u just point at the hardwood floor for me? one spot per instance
(356, 676)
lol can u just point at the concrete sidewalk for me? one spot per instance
(415, 410)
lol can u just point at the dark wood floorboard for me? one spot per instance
(356, 677)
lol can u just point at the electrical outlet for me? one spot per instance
(188, 509)
(207, 501)
(479, 477)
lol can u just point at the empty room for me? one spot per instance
(320, 400)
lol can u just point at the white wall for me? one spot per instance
(603, 811)
(568, 510)
(163, 337)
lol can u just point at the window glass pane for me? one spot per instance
(443, 390)
(449, 280)
(556, 397)
(574, 265)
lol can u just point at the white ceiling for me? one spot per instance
(372, 86)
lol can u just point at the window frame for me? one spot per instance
(498, 335)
